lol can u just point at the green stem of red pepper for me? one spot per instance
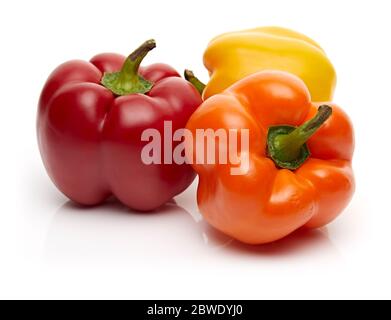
(128, 81)
(287, 145)
(189, 76)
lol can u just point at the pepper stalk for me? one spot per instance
(127, 80)
(287, 145)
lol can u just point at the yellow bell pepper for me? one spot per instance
(233, 56)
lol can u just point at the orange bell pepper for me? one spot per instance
(300, 154)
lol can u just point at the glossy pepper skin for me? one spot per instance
(233, 56)
(268, 202)
(90, 137)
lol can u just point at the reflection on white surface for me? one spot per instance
(110, 251)
(299, 242)
(112, 232)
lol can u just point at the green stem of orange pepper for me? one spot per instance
(287, 144)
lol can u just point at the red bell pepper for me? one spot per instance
(90, 120)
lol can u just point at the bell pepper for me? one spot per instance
(233, 56)
(90, 120)
(300, 153)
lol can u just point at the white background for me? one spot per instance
(50, 248)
